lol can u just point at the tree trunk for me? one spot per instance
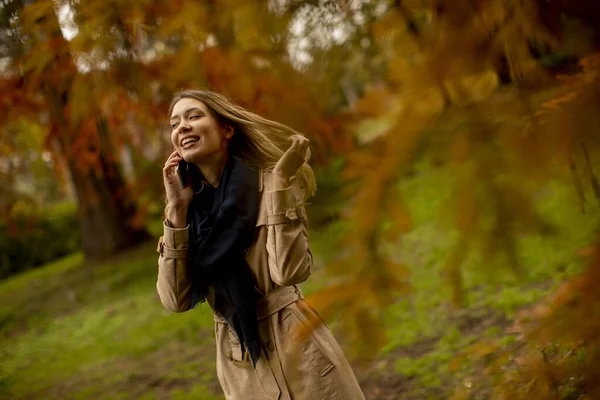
(105, 206)
(106, 209)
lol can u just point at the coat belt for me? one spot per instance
(274, 302)
(277, 300)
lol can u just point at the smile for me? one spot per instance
(189, 140)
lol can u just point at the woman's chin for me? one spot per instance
(192, 155)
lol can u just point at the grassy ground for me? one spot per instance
(75, 331)
(425, 332)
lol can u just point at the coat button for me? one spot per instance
(270, 346)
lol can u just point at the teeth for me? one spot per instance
(188, 140)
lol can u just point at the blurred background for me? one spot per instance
(456, 146)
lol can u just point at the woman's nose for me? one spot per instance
(184, 127)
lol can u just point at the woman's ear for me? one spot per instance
(228, 132)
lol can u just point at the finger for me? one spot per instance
(172, 163)
(174, 159)
(303, 144)
(295, 143)
(302, 147)
(169, 168)
(301, 139)
(173, 155)
(297, 138)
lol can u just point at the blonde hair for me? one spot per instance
(257, 141)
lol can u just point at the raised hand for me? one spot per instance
(178, 198)
(293, 158)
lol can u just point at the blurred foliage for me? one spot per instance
(34, 236)
(327, 205)
(464, 87)
(28, 173)
(555, 354)
(130, 57)
(504, 94)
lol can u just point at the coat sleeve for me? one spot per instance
(289, 256)
(173, 285)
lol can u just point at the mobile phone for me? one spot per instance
(182, 169)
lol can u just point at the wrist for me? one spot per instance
(177, 217)
(280, 181)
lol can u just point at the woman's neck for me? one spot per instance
(213, 169)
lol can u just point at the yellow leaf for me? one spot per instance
(482, 349)
(473, 88)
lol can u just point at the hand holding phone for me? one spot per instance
(179, 194)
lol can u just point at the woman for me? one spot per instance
(236, 236)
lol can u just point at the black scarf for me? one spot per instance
(222, 226)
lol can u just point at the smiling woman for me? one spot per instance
(198, 137)
(236, 236)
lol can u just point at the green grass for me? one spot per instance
(494, 296)
(74, 331)
(425, 333)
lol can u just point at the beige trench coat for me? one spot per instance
(280, 259)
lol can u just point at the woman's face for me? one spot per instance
(197, 135)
